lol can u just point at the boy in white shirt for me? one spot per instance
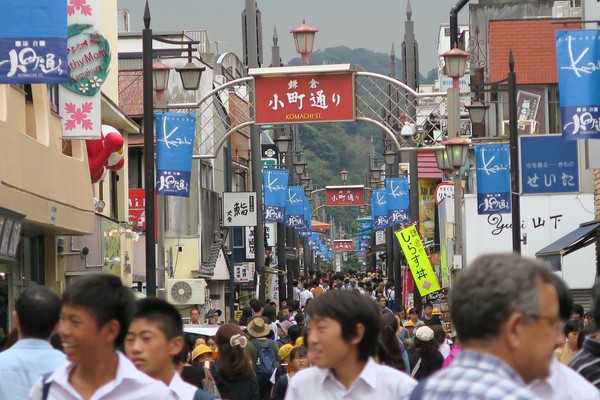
(93, 323)
(153, 342)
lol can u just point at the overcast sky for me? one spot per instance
(373, 24)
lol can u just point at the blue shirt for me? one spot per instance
(476, 376)
(23, 364)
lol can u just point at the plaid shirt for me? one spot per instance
(474, 375)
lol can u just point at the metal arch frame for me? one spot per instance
(391, 134)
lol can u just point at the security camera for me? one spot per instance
(84, 252)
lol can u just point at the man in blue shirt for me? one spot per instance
(505, 310)
(35, 317)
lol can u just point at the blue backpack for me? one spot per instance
(265, 360)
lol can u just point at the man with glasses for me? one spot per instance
(505, 311)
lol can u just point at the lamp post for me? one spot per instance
(477, 114)
(304, 39)
(455, 64)
(457, 150)
(344, 176)
(155, 78)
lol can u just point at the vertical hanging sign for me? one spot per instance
(398, 200)
(379, 210)
(275, 184)
(578, 57)
(88, 60)
(418, 260)
(174, 150)
(493, 179)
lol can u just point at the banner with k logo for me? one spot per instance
(275, 184)
(379, 210)
(174, 149)
(398, 200)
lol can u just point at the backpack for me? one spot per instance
(389, 300)
(265, 360)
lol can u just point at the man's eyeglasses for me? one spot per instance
(555, 322)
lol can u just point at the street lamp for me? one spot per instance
(154, 77)
(283, 143)
(299, 165)
(455, 64)
(304, 39)
(457, 150)
(344, 175)
(477, 114)
(190, 75)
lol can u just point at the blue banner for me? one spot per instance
(294, 207)
(275, 184)
(33, 41)
(379, 209)
(492, 163)
(549, 164)
(578, 60)
(398, 200)
(174, 149)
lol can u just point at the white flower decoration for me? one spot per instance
(84, 87)
(95, 81)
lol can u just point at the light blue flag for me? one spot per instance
(492, 163)
(398, 200)
(578, 61)
(379, 209)
(33, 41)
(174, 149)
(275, 184)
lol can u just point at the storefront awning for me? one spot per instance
(586, 234)
(319, 226)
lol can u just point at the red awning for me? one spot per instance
(319, 226)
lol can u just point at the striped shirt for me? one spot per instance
(475, 376)
(587, 361)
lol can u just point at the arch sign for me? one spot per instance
(285, 96)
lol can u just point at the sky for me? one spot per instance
(373, 25)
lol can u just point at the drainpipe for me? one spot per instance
(454, 22)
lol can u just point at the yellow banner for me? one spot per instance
(418, 262)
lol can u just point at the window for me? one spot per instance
(53, 97)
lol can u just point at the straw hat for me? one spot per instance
(258, 327)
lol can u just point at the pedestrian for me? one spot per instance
(429, 318)
(505, 310)
(195, 316)
(587, 362)
(282, 332)
(413, 314)
(571, 331)
(391, 350)
(342, 341)
(94, 320)
(382, 303)
(212, 316)
(263, 353)
(153, 343)
(563, 383)
(424, 356)
(232, 370)
(298, 362)
(36, 314)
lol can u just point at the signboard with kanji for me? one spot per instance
(304, 97)
(243, 272)
(418, 261)
(343, 245)
(239, 209)
(347, 195)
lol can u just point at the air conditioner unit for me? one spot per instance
(186, 291)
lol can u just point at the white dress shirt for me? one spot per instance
(564, 384)
(129, 383)
(181, 390)
(374, 382)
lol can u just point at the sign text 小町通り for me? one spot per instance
(304, 98)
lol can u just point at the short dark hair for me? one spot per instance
(257, 305)
(270, 313)
(578, 309)
(105, 297)
(38, 308)
(348, 308)
(163, 314)
(492, 288)
(428, 304)
(573, 325)
(565, 300)
(294, 332)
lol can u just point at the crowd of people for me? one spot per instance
(516, 334)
